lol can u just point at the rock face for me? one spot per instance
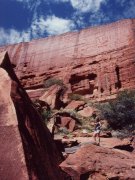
(68, 122)
(13, 165)
(53, 97)
(98, 163)
(95, 62)
(27, 150)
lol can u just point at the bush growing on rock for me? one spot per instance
(76, 97)
(120, 113)
(52, 81)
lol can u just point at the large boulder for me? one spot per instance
(75, 105)
(68, 122)
(87, 111)
(27, 150)
(95, 162)
(61, 123)
(52, 96)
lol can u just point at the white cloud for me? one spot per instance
(84, 5)
(13, 36)
(52, 25)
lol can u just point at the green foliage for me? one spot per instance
(120, 112)
(46, 115)
(52, 81)
(76, 97)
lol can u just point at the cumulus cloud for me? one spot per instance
(12, 36)
(84, 5)
(51, 25)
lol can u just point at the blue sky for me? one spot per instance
(23, 20)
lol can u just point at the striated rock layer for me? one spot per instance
(95, 62)
(27, 150)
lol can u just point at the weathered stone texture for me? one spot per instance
(27, 149)
(95, 62)
(99, 163)
(12, 157)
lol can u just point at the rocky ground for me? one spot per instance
(84, 159)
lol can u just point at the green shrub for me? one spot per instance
(46, 115)
(52, 81)
(120, 112)
(76, 97)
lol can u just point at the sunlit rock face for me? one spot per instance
(99, 163)
(95, 62)
(27, 149)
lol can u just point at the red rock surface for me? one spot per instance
(68, 122)
(12, 158)
(74, 105)
(95, 162)
(95, 62)
(27, 150)
(52, 96)
(87, 111)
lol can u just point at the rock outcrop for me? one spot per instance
(27, 150)
(99, 163)
(95, 62)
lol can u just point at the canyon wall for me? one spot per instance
(95, 62)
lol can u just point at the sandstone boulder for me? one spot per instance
(53, 96)
(75, 105)
(95, 162)
(27, 150)
(68, 122)
(60, 122)
(87, 111)
(35, 93)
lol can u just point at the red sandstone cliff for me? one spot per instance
(27, 150)
(95, 62)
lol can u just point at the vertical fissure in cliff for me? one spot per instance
(118, 83)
